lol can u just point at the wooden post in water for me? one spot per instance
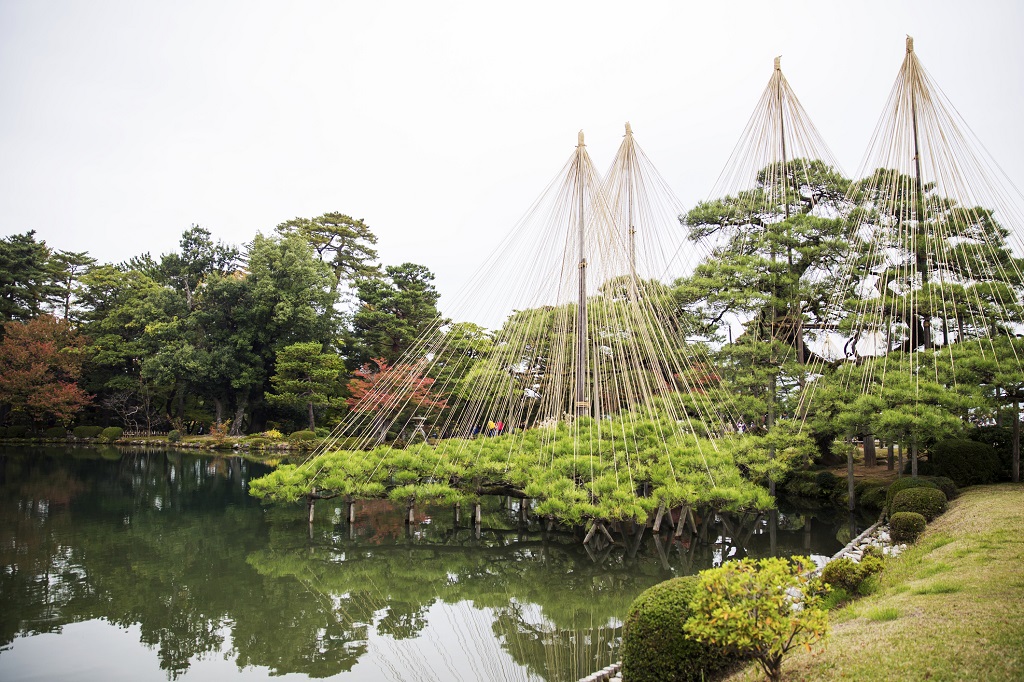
(458, 513)
(351, 512)
(657, 519)
(309, 504)
(852, 502)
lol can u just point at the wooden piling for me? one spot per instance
(658, 517)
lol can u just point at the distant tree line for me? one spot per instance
(261, 335)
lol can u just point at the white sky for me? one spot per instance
(439, 123)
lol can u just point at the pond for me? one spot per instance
(158, 565)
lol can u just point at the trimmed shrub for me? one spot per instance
(843, 573)
(55, 433)
(111, 433)
(18, 431)
(927, 502)
(302, 435)
(87, 432)
(966, 462)
(654, 645)
(173, 436)
(906, 526)
(322, 432)
(905, 484)
(946, 485)
(870, 565)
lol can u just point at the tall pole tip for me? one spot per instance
(910, 44)
(629, 129)
(778, 63)
(581, 139)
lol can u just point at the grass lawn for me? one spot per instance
(950, 608)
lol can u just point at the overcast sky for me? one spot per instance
(439, 123)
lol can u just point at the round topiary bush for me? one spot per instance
(18, 431)
(906, 526)
(654, 645)
(902, 484)
(967, 462)
(173, 436)
(928, 502)
(302, 435)
(87, 432)
(55, 433)
(111, 433)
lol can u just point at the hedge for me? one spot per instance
(966, 462)
(302, 435)
(87, 432)
(55, 433)
(111, 433)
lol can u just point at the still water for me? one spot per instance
(159, 566)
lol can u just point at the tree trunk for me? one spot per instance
(240, 408)
(769, 423)
(913, 458)
(312, 423)
(891, 456)
(1016, 442)
(870, 458)
(899, 462)
(218, 411)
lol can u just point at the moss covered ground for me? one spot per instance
(950, 608)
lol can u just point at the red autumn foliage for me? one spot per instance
(40, 363)
(390, 388)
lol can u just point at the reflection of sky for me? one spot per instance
(457, 644)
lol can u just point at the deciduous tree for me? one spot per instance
(40, 363)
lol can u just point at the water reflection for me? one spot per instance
(169, 546)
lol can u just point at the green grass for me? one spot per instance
(928, 571)
(882, 613)
(949, 608)
(936, 588)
